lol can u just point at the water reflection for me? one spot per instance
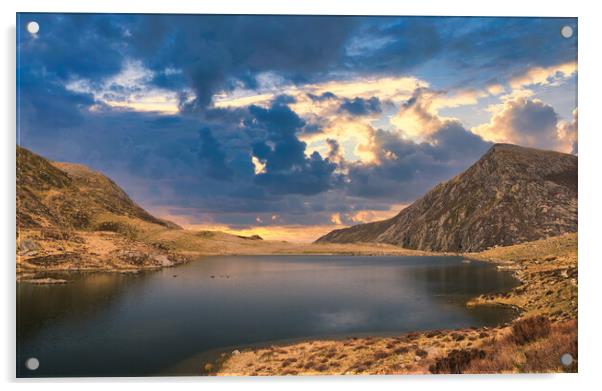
(120, 325)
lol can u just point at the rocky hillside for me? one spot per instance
(511, 195)
(69, 196)
(72, 218)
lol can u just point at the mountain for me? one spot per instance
(510, 195)
(70, 218)
(69, 196)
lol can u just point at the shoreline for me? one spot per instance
(547, 275)
(27, 274)
(544, 268)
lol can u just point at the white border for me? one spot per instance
(590, 279)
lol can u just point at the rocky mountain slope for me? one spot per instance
(511, 195)
(72, 218)
(69, 196)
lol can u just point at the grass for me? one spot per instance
(530, 329)
(101, 246)
(548, 270)
(539, 352)
(456, 361)
(534, 342)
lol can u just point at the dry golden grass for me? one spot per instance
(408, 353)
(102, 246)
(539, 353)
(546, 329)
(70, 217)
(548, 270)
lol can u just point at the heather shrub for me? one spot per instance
(530, 329)
(456, 361)
(380, 354)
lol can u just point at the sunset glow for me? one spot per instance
(337, 121)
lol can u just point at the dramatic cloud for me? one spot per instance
(131, 88)
(212, 155)
(286, 167)
(289, 126)
(567, 134)
(359, 106)
(544, 75)
(416, 118)
(218, 53)
(524, 121)
(405, 167)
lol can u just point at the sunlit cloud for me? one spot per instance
(418, 118)
(495, 89)
(368, 216)
(130, 89)
(271, 227)
(395, 89)
(336, 219)
(355, 136)
(358, 120)
(258, 165)
(567, 134)
(524, 120)
(552, 75)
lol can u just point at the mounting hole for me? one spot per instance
(32, 363)
(566, 31)
(33, 27)
(566, 359)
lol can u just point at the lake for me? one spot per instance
(162, 322)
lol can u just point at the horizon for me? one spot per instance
(289, 127)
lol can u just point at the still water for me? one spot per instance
(109, 324)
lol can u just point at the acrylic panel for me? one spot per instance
(247, 195)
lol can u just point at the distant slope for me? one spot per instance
(511, 195)
(70, 217)
(69, 196)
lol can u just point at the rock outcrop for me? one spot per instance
(511, 195)
(69, 196)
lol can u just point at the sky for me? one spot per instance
(289, 126)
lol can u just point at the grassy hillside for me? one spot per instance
(69, 196)
(548, 269)
(70, 217)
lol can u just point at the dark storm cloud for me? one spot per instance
(322, 97)
(360, 106)
(166, 159)
(214, 51)
(508, 41)
(211, 154)
(210, 53)
(281, 149)
(407, 169)
(313, 177)
(335, 149)
(411, 41)
(488, 50)
(288, 169)
(50, 107)
(73, 44)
